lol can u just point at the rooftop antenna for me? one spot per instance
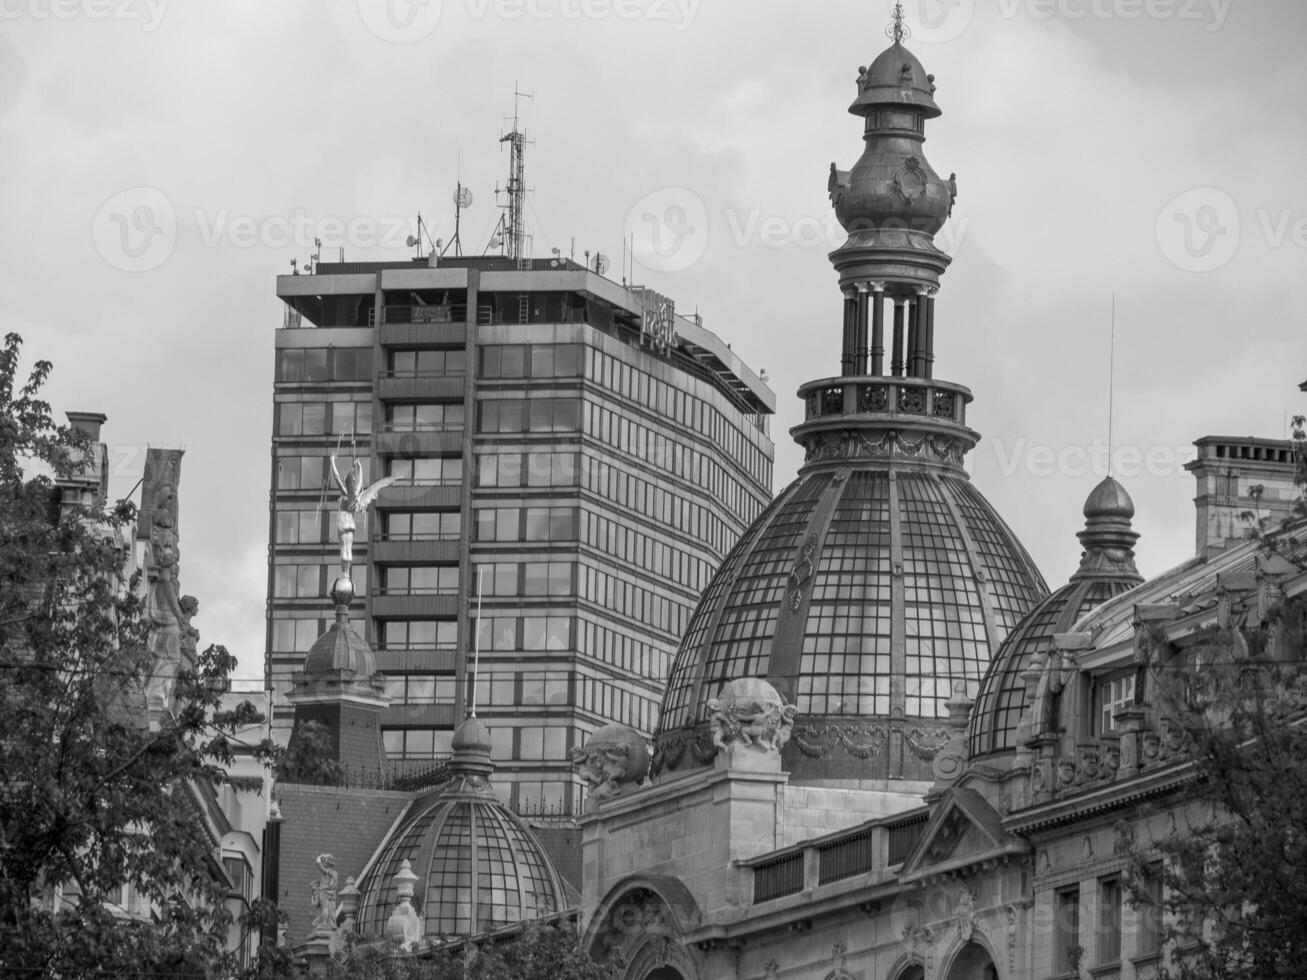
(1111, 384)
(415, 241)
(476, 643)
(462, 199)
(512, 225)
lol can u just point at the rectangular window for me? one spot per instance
(1066, 945)
(1150, 911)
(1110, 695)
(1109, 921)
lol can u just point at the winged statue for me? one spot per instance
(354, 500)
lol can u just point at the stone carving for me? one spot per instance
(839, 959)
(322, 896)
(920, 941)
(859, 741)
(750, 711)
(171, 634)
(613, 760)
(837, 183)
(354, 500)
(925, 742)
(404, 926)
(771, 970)
(873, 398)
(952, 193)
(1012, 916)
(855, 444)
(912, 400)
(801, 572)
(965, 914)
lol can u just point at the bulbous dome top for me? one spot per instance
(895, 78)
(1109, 499)
(861, 594)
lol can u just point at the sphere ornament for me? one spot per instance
(751, 712)
(342, 590)
(613, 761)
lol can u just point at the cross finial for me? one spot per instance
(898, 30)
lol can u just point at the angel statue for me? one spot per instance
(353, 500)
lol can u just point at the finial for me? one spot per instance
(898, 30)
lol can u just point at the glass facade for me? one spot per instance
(578, 487)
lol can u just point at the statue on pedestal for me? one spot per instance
(354, 500)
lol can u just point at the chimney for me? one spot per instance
(87, 423)
(1227, 468)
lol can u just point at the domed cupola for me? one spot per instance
(892, 202)
(881, 576)
(478, 865)
(1107, 569)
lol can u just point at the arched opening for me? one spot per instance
(914, 972)
(973, 962)
(665, 973)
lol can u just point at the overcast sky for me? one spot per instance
(163, 161)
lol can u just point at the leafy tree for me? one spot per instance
(540, 951)
(1234, 866)
(92, 799)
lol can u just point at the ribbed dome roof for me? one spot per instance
(340, 649)
(479, 867)
(861, 593)
(896, 78)
(1107, 569)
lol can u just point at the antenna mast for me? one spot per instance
(514, 223)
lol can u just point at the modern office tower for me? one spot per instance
(574, 461)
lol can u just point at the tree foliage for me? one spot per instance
(1234, 863)
(540, 951)
(92, 798)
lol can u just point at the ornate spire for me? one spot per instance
(897, 30)
(1108, 538)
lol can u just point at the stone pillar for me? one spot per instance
(878, 328)
(850, 331)
(896, 363)
(928, 343)
(1130, 722)
(914, 336)
(860, 333)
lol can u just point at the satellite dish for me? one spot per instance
(496, 241)
(412, 240)
(462, 197)
(601, 263)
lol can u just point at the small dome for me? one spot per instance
(1109, 499)
(340, 650)
(478, 867)
(471, 747)
(896, 78)
(1107, 569)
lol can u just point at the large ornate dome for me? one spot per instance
(1107, 569)
(479, 867)
(862, 593)
(881, 576)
